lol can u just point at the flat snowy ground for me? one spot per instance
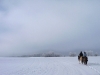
(48, 66)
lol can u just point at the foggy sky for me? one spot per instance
(32, 26)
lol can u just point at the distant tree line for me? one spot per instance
(53, 54)
(49, 54)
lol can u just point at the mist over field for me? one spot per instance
(31, 27)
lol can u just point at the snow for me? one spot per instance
(48, 66)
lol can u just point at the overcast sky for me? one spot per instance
(32, 26)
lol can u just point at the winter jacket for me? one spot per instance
(85, 55)
(81, 54)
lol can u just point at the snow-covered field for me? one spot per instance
(48, 66)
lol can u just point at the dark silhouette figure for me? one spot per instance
(80, 56)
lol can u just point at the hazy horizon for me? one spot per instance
(30, 26)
